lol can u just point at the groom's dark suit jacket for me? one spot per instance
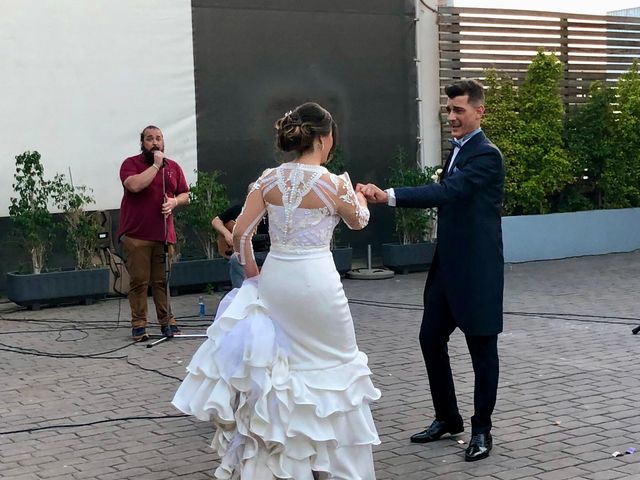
(468, 256)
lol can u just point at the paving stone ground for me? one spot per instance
(569, 390)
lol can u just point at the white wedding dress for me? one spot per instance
(280, 375)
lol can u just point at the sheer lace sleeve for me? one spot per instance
(354, 214)
(253, 211)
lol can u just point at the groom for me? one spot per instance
(465, 283)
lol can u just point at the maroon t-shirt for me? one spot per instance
(141, 213)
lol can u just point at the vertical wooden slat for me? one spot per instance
(564, 49)
(456, 61)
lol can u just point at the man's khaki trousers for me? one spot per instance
(146, 266)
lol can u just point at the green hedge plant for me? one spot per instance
(537, 164)
(81, 227)
(503, 125)
(413, 225)
(590, 135)
(29, 208)
(208, 197)
(621, 177)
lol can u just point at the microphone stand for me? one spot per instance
(167, 273)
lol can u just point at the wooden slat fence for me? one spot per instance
(591, 47)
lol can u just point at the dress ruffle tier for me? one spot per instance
(272, 421)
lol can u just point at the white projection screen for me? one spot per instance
(82, 78)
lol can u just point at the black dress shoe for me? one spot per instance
(479, 447)
(435, 431)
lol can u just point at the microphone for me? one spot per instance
(149, 158)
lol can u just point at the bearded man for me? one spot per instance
(154, 186)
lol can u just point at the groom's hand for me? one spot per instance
(372, 193)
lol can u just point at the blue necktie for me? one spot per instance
(455, 142)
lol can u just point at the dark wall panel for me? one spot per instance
(255, 60)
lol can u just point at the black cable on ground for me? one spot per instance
(589, 318)
(74, 329)
(78, 425)
(40, 353)
(97, 356)
(55, 320)
(63, 321)
(49, 330)
(153, 370)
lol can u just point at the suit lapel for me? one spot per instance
(477, 139)
(446, 164)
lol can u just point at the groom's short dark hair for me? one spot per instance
(473, 88)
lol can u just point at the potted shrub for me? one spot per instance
(29, 210)
(35, 225)
(208, 197)
(81, 227)
(343, 254)
(415, 227)
(89, 280)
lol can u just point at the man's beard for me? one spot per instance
(148, 154)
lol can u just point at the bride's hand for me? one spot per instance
(362, 200)
(373, 193)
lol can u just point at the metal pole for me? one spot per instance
(167, 271)
(167, 265)
(416, 23)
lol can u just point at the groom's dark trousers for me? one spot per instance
(437, 325)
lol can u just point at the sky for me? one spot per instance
(594, 7)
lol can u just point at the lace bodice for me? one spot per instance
(304, 204)
(310, 228)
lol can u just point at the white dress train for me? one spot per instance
(280, 375)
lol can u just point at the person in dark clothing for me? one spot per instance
(223, 224)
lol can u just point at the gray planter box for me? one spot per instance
(561, 235)
(198, 273)
(342, 257)
(416, 257)
(54, 288)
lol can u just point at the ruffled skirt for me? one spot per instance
(282, 379)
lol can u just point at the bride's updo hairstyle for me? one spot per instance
(299, 128)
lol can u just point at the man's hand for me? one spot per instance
(169, 205)
(372, 193)
(158, 158)
(228, 237)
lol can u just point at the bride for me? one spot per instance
(280, 375)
